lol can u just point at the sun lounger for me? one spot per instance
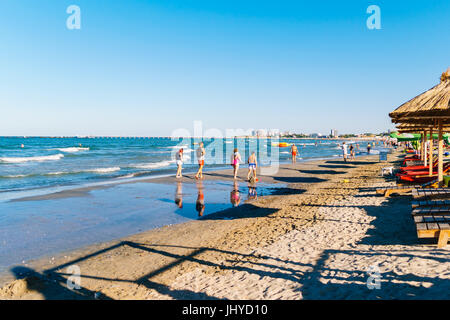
(430, 203)
(419, 167)
(420, 173)
(431, 194)
(387, 191)
(433, 226)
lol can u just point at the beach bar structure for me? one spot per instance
(427, 113)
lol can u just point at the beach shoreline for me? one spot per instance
(173, 261)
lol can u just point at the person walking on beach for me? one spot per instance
(252, 165)
(294, 153)
(235, 160)
(201, 160)
(368, 148)
(179, 160)
(344, 151)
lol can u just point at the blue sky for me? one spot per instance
(149, 67)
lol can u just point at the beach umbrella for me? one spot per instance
(425, 112)
(409, 137)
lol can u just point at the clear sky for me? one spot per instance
(149, 67)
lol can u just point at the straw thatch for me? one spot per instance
(418, 128)
(432, 104)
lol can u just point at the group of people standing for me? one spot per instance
(346, 148)
(235, 161)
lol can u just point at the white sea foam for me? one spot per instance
(57, 173)
(72, 149)
(184, 147)
(103, 170)
(31, 159)
(154, 165)
(13, 176)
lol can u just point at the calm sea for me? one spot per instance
(46, 164)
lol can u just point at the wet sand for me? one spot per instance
(315, 239)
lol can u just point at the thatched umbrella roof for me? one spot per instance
(428, 106)
(412, 127)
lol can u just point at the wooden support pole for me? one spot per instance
(425, 156)
(440, 155)
(421, 146)
(430, 170)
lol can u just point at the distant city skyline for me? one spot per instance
(138, 68)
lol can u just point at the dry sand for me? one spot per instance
(322, 239)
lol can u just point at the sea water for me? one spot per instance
(49, 163)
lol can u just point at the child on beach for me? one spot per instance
(179, 160)
(201, 160)
(235, 159)
(252, 165)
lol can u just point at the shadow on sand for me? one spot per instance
(392, 225)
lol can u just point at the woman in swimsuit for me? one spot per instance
(252, 164)
(235, 159)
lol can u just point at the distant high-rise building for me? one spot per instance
(333, 133)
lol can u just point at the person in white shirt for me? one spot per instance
(344, 151)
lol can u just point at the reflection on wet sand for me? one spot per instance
(235, 197)
(252, 192)
(200, 204)
(179, 195)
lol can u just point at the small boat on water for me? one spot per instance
(282, 144)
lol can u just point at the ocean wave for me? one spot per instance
(72, 149)
(136, 174)
(15, 176)
(31, 159)
(103, 170)
(183, 146)
(154, 165)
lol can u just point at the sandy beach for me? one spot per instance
(326, 235)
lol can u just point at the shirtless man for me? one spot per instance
(252, 165)
(294, 153)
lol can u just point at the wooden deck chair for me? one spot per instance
(433, 225)
(387, 191)
(431, 194)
